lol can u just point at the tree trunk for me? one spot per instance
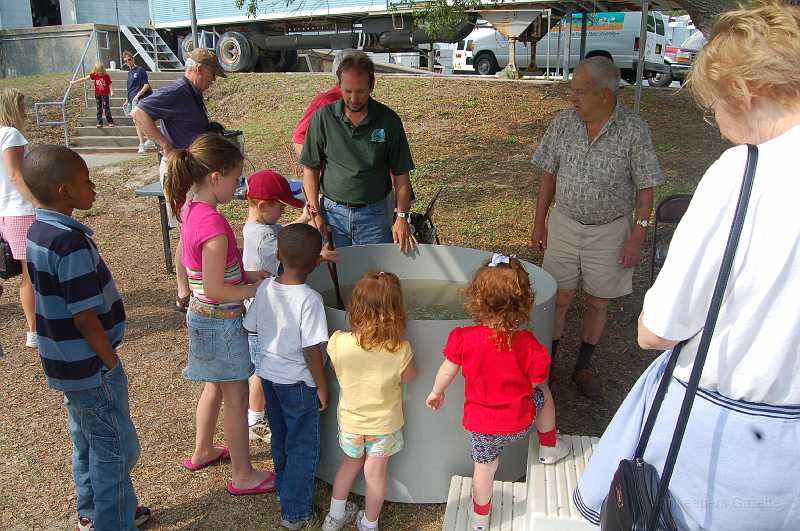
(705, 12)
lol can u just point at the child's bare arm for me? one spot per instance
(80, 79)
(90, 327)
(313, 357)
(444, 377)
(409, 373)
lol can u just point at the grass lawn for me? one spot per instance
(473, 137)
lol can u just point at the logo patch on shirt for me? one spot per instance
(378, 135)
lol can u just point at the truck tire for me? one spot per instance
(659, 79)
(485, 64)
(185, 45)
(235, 53)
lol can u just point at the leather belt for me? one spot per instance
(596, 224)
(207, 310)
(348, 205)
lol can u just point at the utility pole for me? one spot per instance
(193, 16)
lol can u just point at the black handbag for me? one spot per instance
(9, 266)
(638, 500)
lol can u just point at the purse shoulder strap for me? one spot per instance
(708, 331)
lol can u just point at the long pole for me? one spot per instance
(642, 46)
(119, 35)
(567, 46)
(193, 15)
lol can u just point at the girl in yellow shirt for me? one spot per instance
(371, 363)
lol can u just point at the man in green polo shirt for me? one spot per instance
(360, 143)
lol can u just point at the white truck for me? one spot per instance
(611, 34)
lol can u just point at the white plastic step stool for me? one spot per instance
(508, 505)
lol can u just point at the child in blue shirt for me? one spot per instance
(80, 323)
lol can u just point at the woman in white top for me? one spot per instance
(739, 463)
(16, 208)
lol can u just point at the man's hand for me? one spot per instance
(322, 395)
(539, 236)
(329, 255)
(401, 234)
(631, 252)
(166, 149)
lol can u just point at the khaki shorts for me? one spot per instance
(589, 253)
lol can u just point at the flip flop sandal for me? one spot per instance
(182, 303)
(265, 487)
(189, 465)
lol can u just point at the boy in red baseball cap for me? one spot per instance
(268, 194)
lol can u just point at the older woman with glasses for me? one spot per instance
(138, 89)
(742, 442)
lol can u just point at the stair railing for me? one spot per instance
(62, 105)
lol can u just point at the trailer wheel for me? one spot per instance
(235, 53)
(185, 46)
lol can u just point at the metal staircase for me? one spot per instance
(151, 48)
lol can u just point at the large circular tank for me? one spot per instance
(436, 445)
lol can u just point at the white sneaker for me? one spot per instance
(362, 527)
(149, 144)
(478, 522)
(336, 524)
(549, 455)
(142, 149)
(31, 341)
(259, 431)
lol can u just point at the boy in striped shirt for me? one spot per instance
(81, 321)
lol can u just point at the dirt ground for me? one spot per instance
(475, 138)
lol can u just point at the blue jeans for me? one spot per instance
(293, 413)
(357, 226)
(104, 449)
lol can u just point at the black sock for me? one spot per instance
(553, 350)
(584, 356)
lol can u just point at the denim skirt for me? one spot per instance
(218, 349)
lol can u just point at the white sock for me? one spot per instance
(338, 508)
(366, 523)
(253, 417)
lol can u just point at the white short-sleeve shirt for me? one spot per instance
(287, 319)
(11, 201)
(755, 350)
(261, 247)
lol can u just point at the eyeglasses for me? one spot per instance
(709, 116)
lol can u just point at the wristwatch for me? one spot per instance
(404, 215)
(643, 223)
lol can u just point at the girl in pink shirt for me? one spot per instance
(218, 350)
(505, 371)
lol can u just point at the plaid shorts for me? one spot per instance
(486, 447)
(14, 230)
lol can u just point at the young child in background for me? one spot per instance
(218, 349)
(102, 92)
(268, 194)
(81, 324)
(504, 369)
(371, 362)
(289, 319)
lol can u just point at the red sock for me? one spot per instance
(547, 438)
(482, 510)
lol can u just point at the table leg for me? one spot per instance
(162, 207)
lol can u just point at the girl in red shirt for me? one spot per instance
(505, 371)
(102, 92)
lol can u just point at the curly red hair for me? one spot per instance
(376, 312)
(500, 297)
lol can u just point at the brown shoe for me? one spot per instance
(587, 385)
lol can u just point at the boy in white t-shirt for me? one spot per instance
(289, 319)
(268, 194)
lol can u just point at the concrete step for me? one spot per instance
(104, 141)
(117, 130)
(122, 75)
(91, 119)
(508, 506)
(550, 487)
(104, 150)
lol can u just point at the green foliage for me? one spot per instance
(252, 6)
(442, 18)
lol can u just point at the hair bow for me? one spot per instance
(498, 258)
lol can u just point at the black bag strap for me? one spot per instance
(198, 98)
(705, 341)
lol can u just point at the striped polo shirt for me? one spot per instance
(69, 277)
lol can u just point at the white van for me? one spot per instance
(614, 35)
